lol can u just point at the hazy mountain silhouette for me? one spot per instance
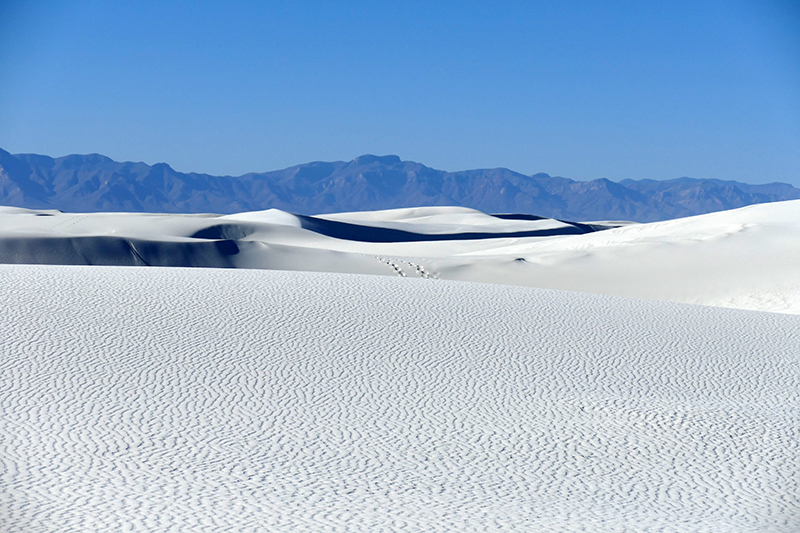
(82, 183)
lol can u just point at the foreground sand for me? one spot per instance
(745, 258)
(175, 399)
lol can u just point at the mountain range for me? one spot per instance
(86, 183)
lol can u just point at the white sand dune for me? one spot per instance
(177, 399)
(746, 258)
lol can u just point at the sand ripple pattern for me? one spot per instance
(241, 400)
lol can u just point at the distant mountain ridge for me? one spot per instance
(86, 183)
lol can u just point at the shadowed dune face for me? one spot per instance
(364, 233)
(233, 232)
(514, 216)
(117, 251)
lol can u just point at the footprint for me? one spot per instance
(392, 264)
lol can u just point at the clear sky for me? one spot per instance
(653, 89)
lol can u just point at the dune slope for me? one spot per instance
(248, 400)
(746, 258)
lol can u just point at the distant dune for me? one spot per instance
(157, 399)
(88, 183)
(745, 258)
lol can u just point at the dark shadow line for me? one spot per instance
(356, 232)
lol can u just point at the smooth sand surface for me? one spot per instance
(745, 258)
(192, 399)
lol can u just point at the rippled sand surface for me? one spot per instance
(173, 399)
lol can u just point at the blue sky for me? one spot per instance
(708, 89)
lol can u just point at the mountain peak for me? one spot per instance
(368, 159)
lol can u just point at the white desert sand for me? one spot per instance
(179, 399)
(745, 258)
(196, 399)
